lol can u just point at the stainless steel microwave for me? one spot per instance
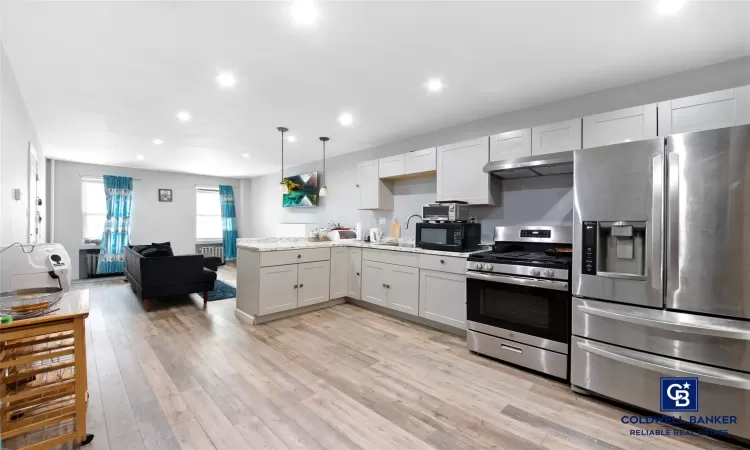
(449, 236)
(445, 212)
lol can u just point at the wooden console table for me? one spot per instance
(43, 374)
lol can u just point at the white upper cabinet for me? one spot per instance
(421, 161)
(339, 272)
(624, 125)
(511, 144)
(392, 166)
(705, 111)
(373, 193)
(556, 137)
(460, 175)
(313, 279)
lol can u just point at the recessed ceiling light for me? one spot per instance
(434, 85)
(158, 142)
(183, 116)
(139, 157)
(291, 139)
(226, 80)
(246, 155)
(304, 12)
(346, 119)
(669, 7)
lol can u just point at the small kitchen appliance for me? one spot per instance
(518, 298)
(446, 212)
(449, 236)
(342, 235)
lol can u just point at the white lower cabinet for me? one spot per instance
(278, 289)
(339, 272)
(313, 280)
(403, 289)
(355, 273)
(442, 298)
(374, 276)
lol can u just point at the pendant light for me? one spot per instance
(282, 186)
(324, 190)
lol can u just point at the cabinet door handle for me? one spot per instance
(357, 185)
(442, 261)
(295, 286)
(299, 256)
(357, 273)
(301, 286)
(384, 285)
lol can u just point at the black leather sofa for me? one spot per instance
(162, 276)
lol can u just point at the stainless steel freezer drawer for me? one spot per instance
(707, 340)
(634, 377)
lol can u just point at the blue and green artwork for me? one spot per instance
(303, 190)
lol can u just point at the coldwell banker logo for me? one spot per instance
(679, 394)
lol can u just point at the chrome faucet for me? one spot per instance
(407, 220)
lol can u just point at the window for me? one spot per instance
(208, 213)
(93, 208)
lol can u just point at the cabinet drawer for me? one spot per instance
(442, 263)
(391, 257)
(282, 257)
(421, 161)
(635, 377)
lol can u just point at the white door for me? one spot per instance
(624, 125)
(355, 273)
(556, 137)
(278, 289)
(374, 279)
(403, 289)
(459, 171)
(313, 281)
(421, 161)
(442, 298)
(705, 111)
(33, 206)
(368, 179)
(339, 272)
(511, 144)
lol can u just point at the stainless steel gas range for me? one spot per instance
(518, 298)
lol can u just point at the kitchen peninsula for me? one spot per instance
(280, 277)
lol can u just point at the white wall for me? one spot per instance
(16, 131)
(152, 220)
(546, 200)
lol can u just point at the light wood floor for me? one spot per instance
(340, 378)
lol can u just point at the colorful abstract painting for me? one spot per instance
(303, 190)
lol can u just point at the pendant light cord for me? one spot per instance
(282, 156)
(324, 162)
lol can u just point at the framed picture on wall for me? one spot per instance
(165, 195)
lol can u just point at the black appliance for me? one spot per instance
(518, 298)
(449, 236)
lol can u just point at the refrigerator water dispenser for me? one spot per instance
(615, 249)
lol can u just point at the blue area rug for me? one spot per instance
(221, 291)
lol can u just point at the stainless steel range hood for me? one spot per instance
(532, 166)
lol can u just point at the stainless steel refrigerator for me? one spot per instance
(661, 273)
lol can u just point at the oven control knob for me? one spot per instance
(488, 267)
(535, 272)
(549, 273)
(478, 266)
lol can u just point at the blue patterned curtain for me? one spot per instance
(116, 236)
(228, 222)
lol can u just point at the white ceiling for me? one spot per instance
(102, 80)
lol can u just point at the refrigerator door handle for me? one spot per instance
(673, 220)
(657, 211)
(702, 329)
(674, 369)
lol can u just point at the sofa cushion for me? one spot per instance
(154, 252)
(164, 246)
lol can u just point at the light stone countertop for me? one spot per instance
(276, 244)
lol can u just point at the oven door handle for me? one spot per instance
(530, 282)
